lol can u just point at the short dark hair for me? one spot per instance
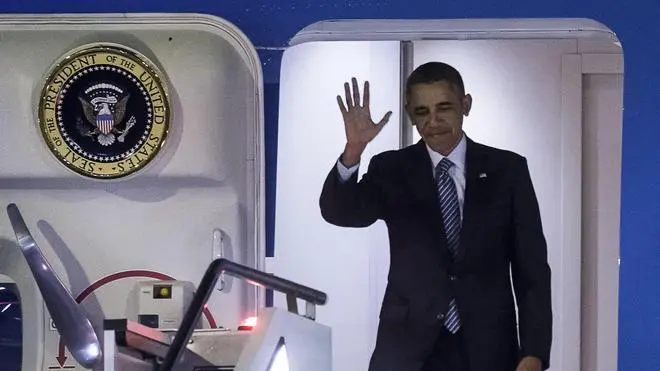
(434, 72)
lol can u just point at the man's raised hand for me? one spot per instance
(360, 127)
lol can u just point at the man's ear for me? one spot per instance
(467, 104)
(410, 116)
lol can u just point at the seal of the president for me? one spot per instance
(104, 111)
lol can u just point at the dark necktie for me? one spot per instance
(451, 215)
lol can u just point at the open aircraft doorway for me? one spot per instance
(549, 89)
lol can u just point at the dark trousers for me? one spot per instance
(448, 353)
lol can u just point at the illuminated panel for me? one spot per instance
(311, 138)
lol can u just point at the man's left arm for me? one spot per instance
(530, 270)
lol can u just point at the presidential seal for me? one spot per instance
(104, 111)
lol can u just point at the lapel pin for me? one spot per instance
(482, 175)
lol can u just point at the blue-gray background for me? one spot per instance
(270, 23)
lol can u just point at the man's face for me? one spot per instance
(437, 109)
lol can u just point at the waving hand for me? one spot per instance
(358, 123)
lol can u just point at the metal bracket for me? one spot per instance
(292, 304)
(310, 310)
(218, 247)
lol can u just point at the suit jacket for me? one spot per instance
(501, 234)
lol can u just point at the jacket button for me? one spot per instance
(453, 278)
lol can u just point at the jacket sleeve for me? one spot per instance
(353, 203)
(530, 270)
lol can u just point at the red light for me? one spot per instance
(248, 324)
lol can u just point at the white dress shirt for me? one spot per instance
(456, 172)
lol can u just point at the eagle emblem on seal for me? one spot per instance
(104, 110)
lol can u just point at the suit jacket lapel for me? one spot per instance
(419, 175)
(476, 184)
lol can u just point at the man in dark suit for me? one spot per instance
(464, 227)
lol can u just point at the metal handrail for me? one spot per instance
(206, 287)
(71, 322)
